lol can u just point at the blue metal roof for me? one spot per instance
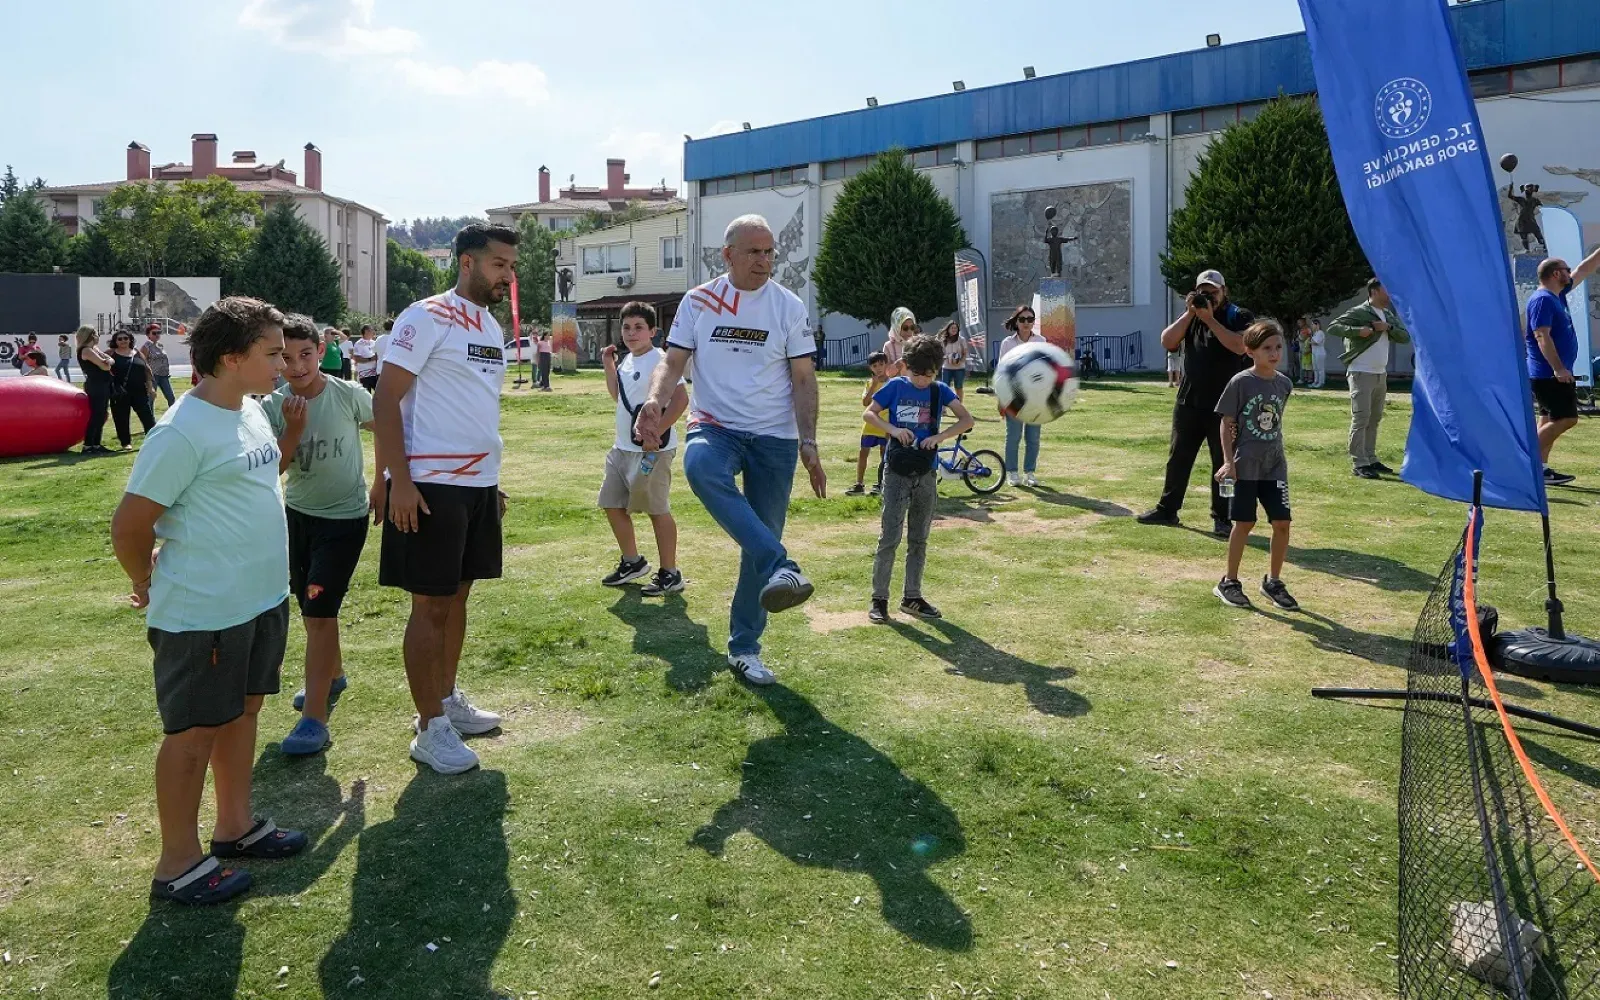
(1492, 33)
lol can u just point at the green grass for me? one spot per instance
(1089, 770)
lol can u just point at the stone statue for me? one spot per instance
(1054, 240)
(1528, 216)
(564, 282)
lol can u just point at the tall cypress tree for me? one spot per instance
(291, 267)
(1265, 209)
(890, 241)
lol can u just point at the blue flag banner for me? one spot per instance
(1416, 179)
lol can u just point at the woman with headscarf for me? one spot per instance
(902, 327)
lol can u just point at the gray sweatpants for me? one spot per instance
(903, 495)
(1367, 393)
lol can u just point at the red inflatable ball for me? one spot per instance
(40, 416)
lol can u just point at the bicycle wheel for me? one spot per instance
(984, 472)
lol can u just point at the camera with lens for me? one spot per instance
(1200, 299)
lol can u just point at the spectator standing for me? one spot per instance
(953, 370)
(902, 327)
(64, 358)
(347, 349)
(1552, 353)
(1319, 355)
(547, 349)
(1368, 329)
(155, 357)
(364, 353)
(1021, 323)
(35, 363)
(331, 359)
(96, 367)
(131, 388)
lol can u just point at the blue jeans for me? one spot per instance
(754, 518)
(1016, 429)
(164, 386)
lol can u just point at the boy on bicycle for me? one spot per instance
(907, 410)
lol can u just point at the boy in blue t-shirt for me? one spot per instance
(907, 411)
(216, 595)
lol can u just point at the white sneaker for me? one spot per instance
(467, 718)
(750, 667)
(786, 589)
(440, 747)
(1031, 479)
(1012, 480)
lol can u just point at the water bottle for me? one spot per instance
(1226, 489)
(649, 462)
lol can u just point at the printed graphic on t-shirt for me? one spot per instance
(1262, 417)
(313, 449)
(909, 413)
(739, 337)
(405, 337)
(484, 352)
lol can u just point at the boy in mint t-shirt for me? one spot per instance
(205, 485)
(318, 421)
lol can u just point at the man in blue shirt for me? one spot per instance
(1552, 351)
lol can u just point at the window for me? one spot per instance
(1135, 129)
(1103, 135)
(1014, 145)
(800, 175)
(1248, 112)
(562, 223)
(338, 216)
(989, 149)
(1546, 77)
(1187, 123)
(762, 180)
(1074, 138)
(1220, 117)
(785, 176)
(616, 258)
(1490, 83)
(1045, 142)
(672, 253)
(97, 207)
(924, 158)
(833, 170)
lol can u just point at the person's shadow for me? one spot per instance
(1105, 508)
(826, 798)
(437, 874)
(1330, 636)
(1382, 572)
(665, 630)
(970, 656)
(184, 951)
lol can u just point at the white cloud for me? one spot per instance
(344, 29)
(651, 156)
(339, 28)
(721, 128)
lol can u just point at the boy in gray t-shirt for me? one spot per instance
(1251, 408)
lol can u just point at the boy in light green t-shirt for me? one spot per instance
(318, 421)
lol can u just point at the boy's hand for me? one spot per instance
(376, 498)
(902, 434)
(608, 354)
(1226, 472)
(929, 443)
(294, 414)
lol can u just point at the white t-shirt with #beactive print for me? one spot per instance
(451, 414)
(742, 344)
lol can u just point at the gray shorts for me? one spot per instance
(203, 678)
(623, 489)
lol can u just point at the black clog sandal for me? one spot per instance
(264, 840)
(205, 884)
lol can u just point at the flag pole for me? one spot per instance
(1552, 604)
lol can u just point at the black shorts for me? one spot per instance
(323, 553)
(1273, 494)
(203, 678)
(369, 382)
(1557, 400)
(456, 541)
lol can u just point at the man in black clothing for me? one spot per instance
(1213, 352)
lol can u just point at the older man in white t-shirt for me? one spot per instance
(752, 411)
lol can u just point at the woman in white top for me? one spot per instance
(953, 373)
(1021, 324)
(1319, 355)
(902, 327)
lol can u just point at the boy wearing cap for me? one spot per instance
(1211, 335)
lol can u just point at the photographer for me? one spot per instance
(1210, 335)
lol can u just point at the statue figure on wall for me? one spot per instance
(1054, 240)
(1528, 216)
(564, 283)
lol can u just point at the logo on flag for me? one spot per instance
(1403, 107)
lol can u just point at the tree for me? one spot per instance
(430, 233)
(30, 242)
(10, 186)
(536, 270)
(1264, 208)
(889, 242)
(412, 276)
(196, 228)
(291, 267)
(89, 253)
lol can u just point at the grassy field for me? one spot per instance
(1089, 780)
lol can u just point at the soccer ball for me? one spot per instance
(1036, 383)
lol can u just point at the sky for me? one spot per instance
(429, 108)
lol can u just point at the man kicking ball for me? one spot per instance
(752, 411)
(437, 414)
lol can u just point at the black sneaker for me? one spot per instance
(1232, 593)
(1380, 467)
(876, 491)
(858, 490)
(1554, 478)
(1158, 516)
(1365, 472)
(627, 571)
(917, 606)
(878, 614)
(1221, 527)
(1278, 594)
(666, 581)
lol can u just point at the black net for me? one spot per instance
(1494, 902)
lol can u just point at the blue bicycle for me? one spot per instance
(983, 471)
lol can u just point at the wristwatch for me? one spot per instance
(805, 441)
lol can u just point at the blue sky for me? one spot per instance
(440, 108)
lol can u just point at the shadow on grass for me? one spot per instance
(1360, 567)
(665, 630)
(185, 951)
(825, 798)
(1105, 508)
(59, 460)
(1330, 636)
(979, 510)
(1588, 774)
(970, 656)
(438, 873)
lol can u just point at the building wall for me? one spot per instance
(644, 238)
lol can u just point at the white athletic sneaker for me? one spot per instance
(1012, 480)
(750, 667)
(440, 747)
(787, 589)
(1030, 479)
(467, 718)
